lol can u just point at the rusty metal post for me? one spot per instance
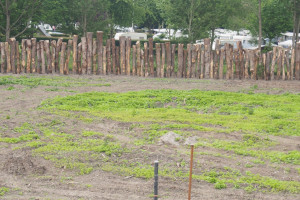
(191, 172)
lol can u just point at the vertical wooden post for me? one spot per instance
(142, 63)
(18, 58)
(264, 61)
(28, 49)
(33, 57)
(268, 66)
(146, 59)
(194, 58)
(198, 65)
(104, 60)
(211, 69)
(236, 63)
(185, 55)
(293, 63)
(47, 49)
(108, 56)
(158, 61)
(202, 62)
(100, 51)
(89, 52)
(2, 57)
(43, 57)
(279, 63)
(75, 44)
(231, 62)
(118, 71)
(66, 68)
(173, 60)
(216, 59)
(123, 54)
(282, 63)
(228, 66)
(252, 63)
(62, 57)
(95, 57)
(113, 49)
(79, 54)
(23, 63)
(13, 54)
(57, 50)
(53, 52)
(288, 67)
(84, 55)
(246, 64)
(163, 60)
(180, 61)
(151, 60)
(134, 60)
(241, 60)
(273, 63)
(138, 56)
(128, 53)
(207, 57)
(169, 59)
(297, 68)
(7, 52)
(221, 69)
(39, 58)
(189, 60)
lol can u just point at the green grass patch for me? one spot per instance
(3, 191)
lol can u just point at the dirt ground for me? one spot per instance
(36, 178)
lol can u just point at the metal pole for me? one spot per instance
(156, 180)
(191, 171)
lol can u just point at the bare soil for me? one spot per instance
(36, 178)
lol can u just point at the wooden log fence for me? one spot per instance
(148, 59)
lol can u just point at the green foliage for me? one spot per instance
(3, 191)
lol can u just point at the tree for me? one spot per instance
(17, 16)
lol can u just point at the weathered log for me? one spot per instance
(216, 59)
(43, 71)
(297, 67)
(113, 49)
(189, 60)
(158, 61)
(39, 58)
(33, 56)
(23, 62)
(118, 60)
(163, 60)
(273, 63)
(169, 59)
(57, 51)
(231, 62)
(288, 67)
(75, 54)
(123, 54)
(13, 55)
(128, 53)
(194, 58)
(79, 55)
(241, 60)
(264, 61)
(282, 64)
(48, 55)
(202, 63)
(69, 48)
(151, 60)
(138, 58)
(84, 55)
(108, 56)
(279, 63)
(236, 63)
(293, 63)
(134, 60)
(53, 53)
(207, 57)
(221, 68)
(104, 61)
(18, 58)
(2, 44)
(8, 62)
(142, 63)
(198, 66)
(100, 51)
(185, 55)
(173, 60)
(89, 52)
(62, 57)
(180, 61)
(211, 67)
(146, 59)
(28, 49)
(268, 58)
(95, 57)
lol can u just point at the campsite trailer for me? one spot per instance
(133, 36)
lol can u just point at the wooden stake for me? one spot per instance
(194, 57)
(39, 58)
(118, 60)
(57, 50)
(3, 57)
(173, 60)
(273, 63)
(288, 67)
(207, 57)
(151, 60)
(23, 56)
(128, 53)
(191, 172)
(142, 64)
(158, 61)
(180, 61)
(108, 56)
(123, 54)
(185, 55)
(18, 58)
(216, 59)
(104, 61)
(48, 55)
(202, 63)
(8, 63)
(293, 63)
(79, 54)
(297, 68)
(138, 56)
(113, 49)
(189, 60)
(282, 64)
(95, 57)
(43, 57)
(163, 60)
(62, 57)
(198, 66)
(169, 59)
(84, 55)
(211, 69)
(221, 69)
(146, 59)
(279, 63)
(134, 60)
(75, 44)
(246, 64)
(100, 51)
(33, 56)
(28, 49)
(13, 55)
(66, 68)
(89, 52)
(53, 53)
